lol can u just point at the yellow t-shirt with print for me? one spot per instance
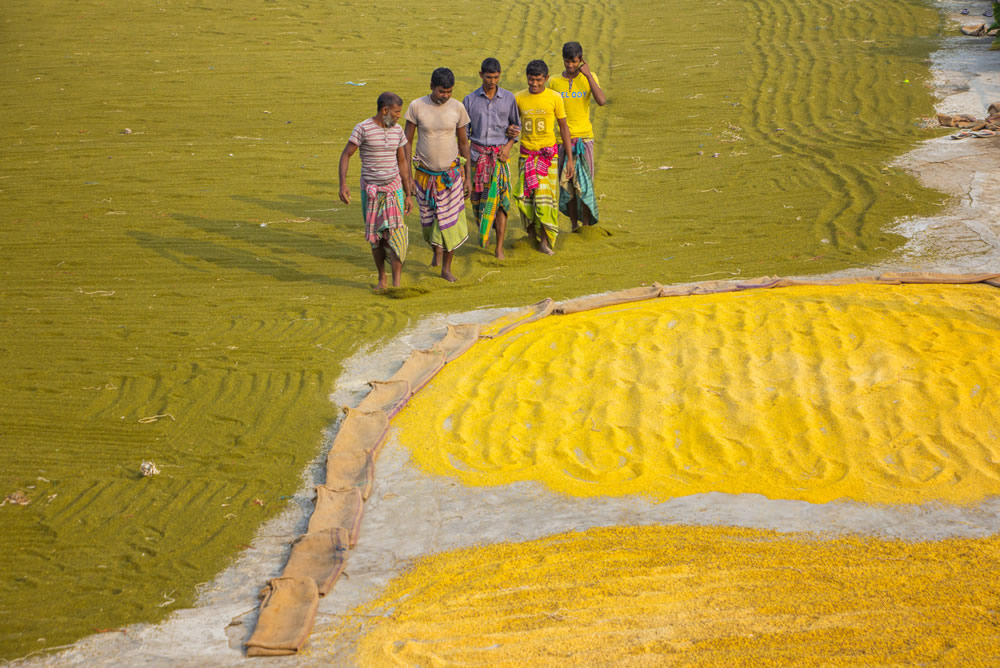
(538, 118)
(576, 98)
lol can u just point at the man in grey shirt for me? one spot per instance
(494, 124)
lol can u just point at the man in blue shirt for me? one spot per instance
(494, 125)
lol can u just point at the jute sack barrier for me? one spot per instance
(506, 323)
(338, 509)
(286, 617)
(923, 277)
(610, 299)
(846, 280)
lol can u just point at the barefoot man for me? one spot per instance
(493, 128)
(385, 184)
(578, 85)
(441, 182)
(537, 190)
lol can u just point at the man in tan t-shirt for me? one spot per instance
(441, 180)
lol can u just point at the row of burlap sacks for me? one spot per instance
(319, 556)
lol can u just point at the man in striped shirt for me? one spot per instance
(385, 184)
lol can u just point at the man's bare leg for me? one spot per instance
(532, 234)
(544, 244)
(571, 211)
(397, 269)
(500, 223)
(437, 256)
(446, 266)
(379, 254)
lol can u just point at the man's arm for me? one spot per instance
(404, 172)
(464, 150)
(345, 158)
(409, 130)
(595, 89)
(568, 143)
(505, 151)
(513, 132)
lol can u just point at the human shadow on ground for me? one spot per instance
(186, 251)
(275, 240)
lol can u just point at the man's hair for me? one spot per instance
(572, 50)
(442, 77)
(536, 68)
(490, 66)
(388, 99)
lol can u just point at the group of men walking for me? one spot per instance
(463, 150)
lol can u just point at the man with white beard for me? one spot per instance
(385, 184)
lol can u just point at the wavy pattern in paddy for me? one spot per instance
(826, 85)
(878, 394)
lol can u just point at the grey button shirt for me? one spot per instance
(488, 119)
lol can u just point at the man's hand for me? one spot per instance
(570, 167)
(466, 185)
(513, 131)
(585, 69)
(504, 154)
(413, 188)
(407, 205)
(345, 194)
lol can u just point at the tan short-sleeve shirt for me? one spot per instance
(436, 145)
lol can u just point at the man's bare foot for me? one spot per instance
(576, 227)
(395, 284)
(499, 254)
(382, 283)
(448, 276)
(544, 247)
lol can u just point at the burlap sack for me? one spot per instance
(338, 509)
(362, 430)
(419, 368)
(286, 616)
(458, 339)
(346, 468)
(610, 299)
(388, 396)
(319, 556)
(928, 277)
(506, 323)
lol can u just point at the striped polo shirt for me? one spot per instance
(378, 147)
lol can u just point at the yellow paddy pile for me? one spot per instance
(698, 596)
(881, 394)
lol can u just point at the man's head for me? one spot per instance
(572, 54)
(442, 83)
(390, 108)
(489, 72)
(538, 74)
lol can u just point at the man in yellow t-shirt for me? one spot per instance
(578, 85)
(537, 189)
